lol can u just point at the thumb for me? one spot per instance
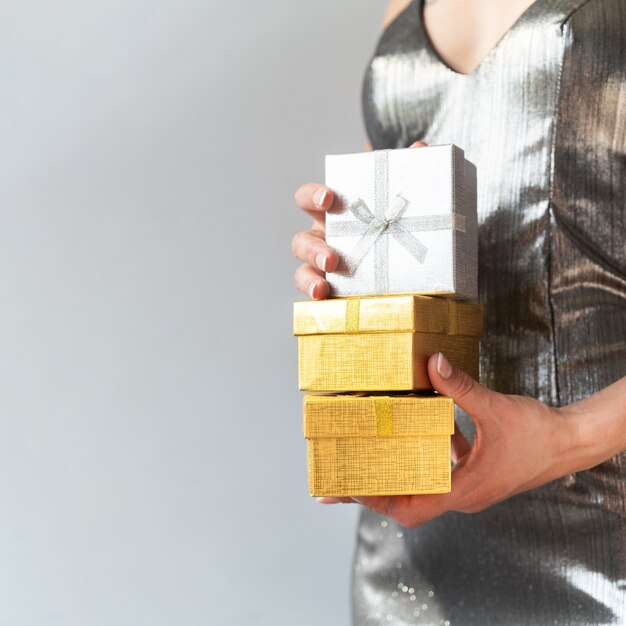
(450, 381)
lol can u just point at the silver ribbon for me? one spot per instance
(388, 220)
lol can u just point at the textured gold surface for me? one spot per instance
(387, 314)
(355, 415)
(379, 361)
(346, 456)
(353, 316)
(384, 416)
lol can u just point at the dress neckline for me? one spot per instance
(528, 12)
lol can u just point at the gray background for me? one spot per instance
(152, 466)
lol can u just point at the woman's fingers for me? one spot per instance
(312, 282)
(409, 511)
(309, 246)
(459, 444)
(315, 199)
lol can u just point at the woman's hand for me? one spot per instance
(309, 245)
(520, 443)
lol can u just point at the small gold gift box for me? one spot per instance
(383, 343)
(378, 445)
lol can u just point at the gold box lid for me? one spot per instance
(385, 314)
(356, 415)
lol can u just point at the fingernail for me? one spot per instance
(312, 290)
(443, 366)
(320, 261)
(319, 196)
(327, 500)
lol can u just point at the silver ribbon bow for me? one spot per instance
(388, 220)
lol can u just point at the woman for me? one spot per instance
(535, 93)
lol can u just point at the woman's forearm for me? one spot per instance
(598, 424)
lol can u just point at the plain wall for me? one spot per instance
(152, 465)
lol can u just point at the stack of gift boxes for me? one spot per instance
(405, 228)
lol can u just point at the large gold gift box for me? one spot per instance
(383, 343)
(378, 445)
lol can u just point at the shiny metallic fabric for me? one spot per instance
(544, 119)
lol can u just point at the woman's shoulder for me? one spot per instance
(393, 10)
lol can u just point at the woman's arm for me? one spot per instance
(520, 444)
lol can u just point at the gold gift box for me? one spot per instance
(383, 343)
(378, 445)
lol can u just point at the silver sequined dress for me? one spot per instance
(544, 120)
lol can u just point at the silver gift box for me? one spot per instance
(403, 221)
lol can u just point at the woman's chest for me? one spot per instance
(463, 32)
